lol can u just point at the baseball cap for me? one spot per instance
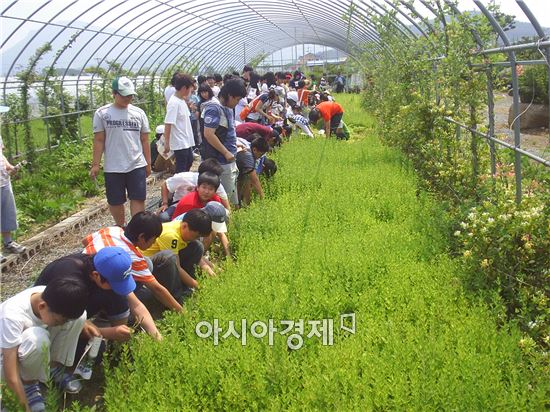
(4, 109)
(115, 265)
(123, 86)
(159, 129)
(218, 214)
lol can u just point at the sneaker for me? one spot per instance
(67, 382)
(34, 397)
(14, 247)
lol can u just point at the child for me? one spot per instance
(248, 159)
(142, 231)
(8, 221)
(180, 238)
(107, 275)
(207, 184)
(332, 114)
(297, 119)
(218, 215)
(183, 183)
(178, 131)
(160, 161)
(41, 325)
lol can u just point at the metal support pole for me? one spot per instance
(512, 58)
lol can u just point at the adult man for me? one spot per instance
(339, 83)
(220, 139)
(121, 131)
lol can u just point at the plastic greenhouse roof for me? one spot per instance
(150, 35)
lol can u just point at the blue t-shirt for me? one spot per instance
(194, 99)
(221, 118)
(260, 164)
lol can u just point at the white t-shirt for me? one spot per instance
(4, 175)
(239, 108)
(123, 151)
(182, 183)
(16, 316)
(177, 115)
(168, 93)
(292, 95)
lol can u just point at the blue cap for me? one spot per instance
(115, 265)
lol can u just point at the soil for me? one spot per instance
(536, 141)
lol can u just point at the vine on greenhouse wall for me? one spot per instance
(27, 77)
(414, 89)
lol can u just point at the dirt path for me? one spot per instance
(536, 141)
(23, 273)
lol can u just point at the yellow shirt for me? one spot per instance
(170, 239)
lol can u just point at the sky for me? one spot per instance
(538, 7)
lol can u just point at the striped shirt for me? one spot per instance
(114, 236)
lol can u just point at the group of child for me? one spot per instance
(127, 272)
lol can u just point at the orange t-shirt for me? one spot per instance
(329, 109)
(303, 96)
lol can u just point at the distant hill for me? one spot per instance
(521, 29)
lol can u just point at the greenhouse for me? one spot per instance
(252, 205)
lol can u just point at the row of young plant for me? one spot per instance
(503, 244)
(342, 230)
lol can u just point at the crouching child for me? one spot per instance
(39, 328)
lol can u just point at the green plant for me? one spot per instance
(27, 77)
(342, 229)
(412, 92)
(39, 201)
(533, 84)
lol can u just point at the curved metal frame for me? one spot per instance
(224, 33)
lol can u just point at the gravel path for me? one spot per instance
(23, 274)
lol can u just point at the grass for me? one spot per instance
(40, 133)
(342, 231)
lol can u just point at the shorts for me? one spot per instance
(335, 121)
(117, 184)
(8, 219)
(245, 162)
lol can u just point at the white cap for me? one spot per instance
(123, 86)
(159, 129)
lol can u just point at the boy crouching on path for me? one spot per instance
(180, 241)
(108, 277)
(37, 326)
(141, 232)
